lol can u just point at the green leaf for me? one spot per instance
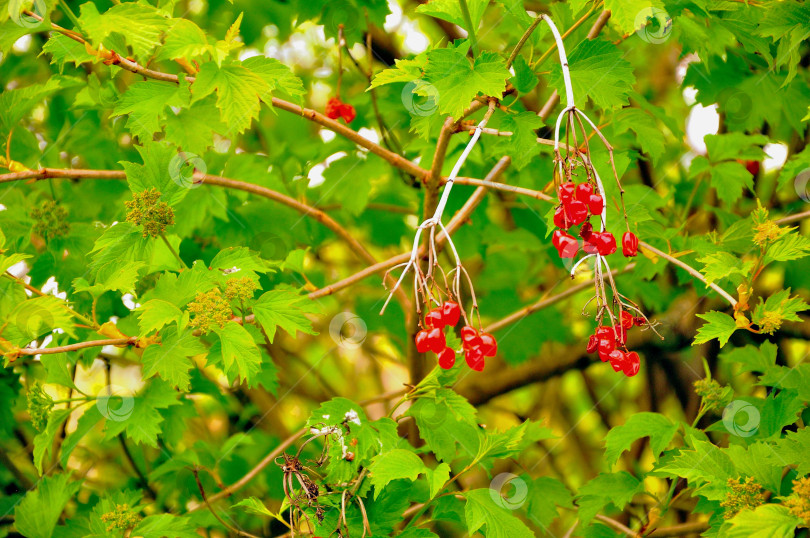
(754, 461)
(765, 521)
(36, 317)
(599, 72)
(648, 133)
(720, 265)
(525, 78)
(481, 510)
(163, 525)
(624, 14)
(705, 467)
(155, 172)
(286, 309)
(729, 178)
(38, 513)
(793, 449)
(240, 258)
(276, 75)
(446, 420)
(137, 415)
(657, 427)
(604, 489)
(545, 495)
(458, 82)
(752, 359)
(57, 367)
(43, 442)
(86, 422)
(142, 25)
(450, 11)
(239, 91)
(184, 40)
(394, 465)
(157, 313)
(145, 103)
(790, 247)
(404, 70)
(171, 358)
(731, 146)
(718, 325)
(522, 146)
(240, 355)
(777, 308)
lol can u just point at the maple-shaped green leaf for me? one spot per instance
(509, 443)
(599, 72)
(795, 378)
(141, 24)
(481, 510)
(234, 259)
(241, 357)
(525, 78)
(793, 449)
(156, 172)
(57, 367)
(607, 488)
(730, 146)
(718, 325)
(185, 40)
(64, 50)
(628, 16)
(790, 247)
(446, 422)
(657, 427)
(786, 23)
(17, 103)
(770, 313)
(751, 358)
(719, 265)
(522, 146)
(395, 464)
(277, 76)
(754, 461)
(193, 128)
(157, 313)
(545, 495)
(163, 525)
(765, 521)
(404, 70)
(138, 414)
(729, 179)
(124, 280)
(648, 133)
(286, 309)
(170, 358)
(38, 513)
(239, 92)
(705, 467)
(145, 104)
(33, 318)
(457, 81)
(451, 11)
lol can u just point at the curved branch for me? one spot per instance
(81, 345)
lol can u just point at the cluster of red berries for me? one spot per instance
(577, 204)
(335, 108)
(431, 338)
(606, 341)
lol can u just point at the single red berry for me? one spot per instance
(593, 343)
(422, 341)
(566, 192)
(567, 246)
(556, 236)
(752, 167)
(576, 212)
(605, 243)
(435, 319)
(560, 219)
(447, 358)
(586, 231)
(451, 312)
(604, 332)
(589, 245)
(583, 192)
(629, 244)
(469, 337)
(632, 364)
(606, 345)
(475, 358)
(627, 319)
(604, 356)
(639, 321)
(620, 334)
(436, 340)
(596, 204)
(333, 108)
(489, 345)
(347, 112)
(617, 359)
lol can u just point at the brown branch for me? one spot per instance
(238, 532)
(81, 345)
(693, 527)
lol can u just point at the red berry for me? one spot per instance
(604, 332)
(566, 192)
(333, 108)
(593, 344)
(632, 364)
(436, 341)
(605, 243)
(606, 345)
(639, 321)
(347, 112)
(475, 358)
(469, 337)
(451, 312)
(583, 192)
(447, 358)
(435, 319)
(589, 246)
(567, 246)
(586, 231)
(627, 319)
(560, 219)
(604, 356)
(617, 359)
(422, 341)
(489, 346)
(556, 236)
(629, 244)
(576, 212)
(620, 334)
(752, 167)
(596, 204)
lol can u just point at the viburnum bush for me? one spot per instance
(442, 268)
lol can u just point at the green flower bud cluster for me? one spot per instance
(51, 220)
(744, 495)
(39, 406)
(121, 518)
(209, 309)
(145, 209)
(240, 289)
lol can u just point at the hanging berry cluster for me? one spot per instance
(580, 199)
(431, 337)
